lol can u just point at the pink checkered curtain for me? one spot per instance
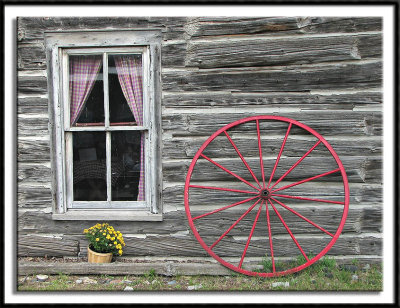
(83, 71)
(129, 69)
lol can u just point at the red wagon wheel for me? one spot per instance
(265, 192)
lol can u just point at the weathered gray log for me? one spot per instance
(32, 105)
(36, 173)
(212, 26)
(304, 101)
(33, 196)
(354, 123)
(326, 77)
(229, 247)
(359, 194)
(32, 85)
(366, 218)
(268, 51)
(36, 245)
(186, 148)
(30, 28)
(359, 169)
(33, 151)
(33, 126)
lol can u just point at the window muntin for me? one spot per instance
(104, 82)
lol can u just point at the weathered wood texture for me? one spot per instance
(325, 72)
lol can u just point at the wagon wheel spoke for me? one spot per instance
(308, 199)
(270, 237)
(234, 224)
(260, 153)
(242, 158)
(225, 207)
(302, 217)
(224, 189)
(279, 155)
(250, 235)
(307, 180)
(228, 171)
(296, 163)
(288, 230)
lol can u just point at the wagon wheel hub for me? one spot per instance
(264, 194)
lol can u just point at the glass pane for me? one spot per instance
(125, 89)
(89, 166)
(126, 166)
(86, 90)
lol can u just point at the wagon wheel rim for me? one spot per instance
(266, 197)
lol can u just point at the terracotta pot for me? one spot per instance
(97, 257)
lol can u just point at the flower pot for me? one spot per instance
(97, 257)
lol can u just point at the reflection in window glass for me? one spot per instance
(86, 90)
(125, 70)
(89, 166)
(125, 165)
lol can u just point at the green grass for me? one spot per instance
(323, 275)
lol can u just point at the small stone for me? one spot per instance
(313, 281)
(366, 267)
(115, 281)
(69, 281)
(78, 281)
(127, 281)
(280, 284)
(171, 283)
(127, 288)
(154, 281)
(328, 275)
(354, 277)
(195, 287)
(146, 282)
(87, 280)
(350, 268)
(104, 281)
(42, 278)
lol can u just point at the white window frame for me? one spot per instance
(59, 45)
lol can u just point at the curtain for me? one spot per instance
(129, 70)
(83, 71)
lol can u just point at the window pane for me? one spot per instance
(89, 166)
(86, 90)
(126, 165)
(125, 89)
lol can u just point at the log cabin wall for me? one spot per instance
(324, 72)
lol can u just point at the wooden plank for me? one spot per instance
(31, 56)
(188, 246)
(34, 173)
(216, 26)
(361, 75)
(33, 151)
(34, 197)
(269, 52)
(359, 169)
(36, 245)
(32, 105)
(32, 85)
(327, 124)
(33, 126)
(359, 194)
(303, 101)
(173, 222)
(186, 148)
(32, 28)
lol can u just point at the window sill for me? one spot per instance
(122, 215)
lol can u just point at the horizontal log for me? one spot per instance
(216, 26)
(32, 105)
(366, 218)
(358, 169)
(33, 151)
(34, 173)
(230, 247)
(327, 77)
(33, 126)
(186, 148)
(270, 52)
(327, 124)
(36, 245)
(33, 196)
(32, 28)
(359, 194)
(303, 101)
(32, 85)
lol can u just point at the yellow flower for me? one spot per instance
(113, 238)
(110, 231)
(120, 252)
(97, 239)
(108, 237)
(115, 243)
(104, 234)
(85, 231)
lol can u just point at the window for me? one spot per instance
(105, 119)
